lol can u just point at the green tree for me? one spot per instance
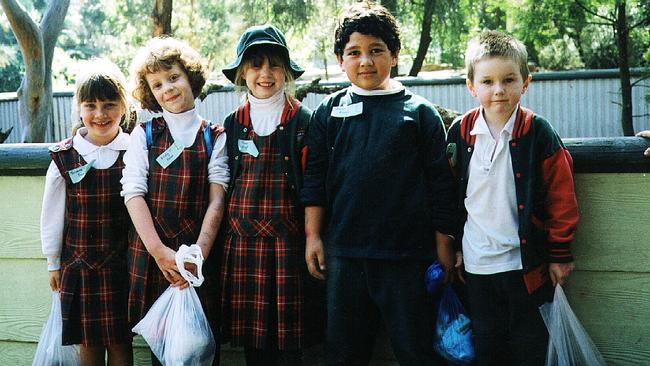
(37, 44)
(624, 18)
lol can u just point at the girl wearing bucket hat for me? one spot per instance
(264, 274)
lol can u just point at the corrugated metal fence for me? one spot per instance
(577, 103)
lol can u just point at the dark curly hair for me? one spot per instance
(161, 54)
(370, 19)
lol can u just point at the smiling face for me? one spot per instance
(498, 85)
(367, 61)
(102, 119)
(172, 89)
(264, 77)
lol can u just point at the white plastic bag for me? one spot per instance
(569, 344)
(50, 350)
(175, 327)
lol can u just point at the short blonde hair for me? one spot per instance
(495, 44)
(99, 79)
(162, 53)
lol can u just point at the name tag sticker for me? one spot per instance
(76, 175)
(248, 147)
(348, 110)
(170, 155)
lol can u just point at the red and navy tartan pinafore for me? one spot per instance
(263, 254)
(178, 199)
(94, 283)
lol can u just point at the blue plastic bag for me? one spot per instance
(433, 277)
(453, 337)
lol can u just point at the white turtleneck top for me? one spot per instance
(183, 128)
(53, 211)
(266, 113)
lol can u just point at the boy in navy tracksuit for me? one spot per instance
(518, 204)
(378, 196)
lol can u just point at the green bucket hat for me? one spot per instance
(260, 35)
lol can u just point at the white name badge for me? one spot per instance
(248, 147)
(76, 175)
(348, 110)
(170, 155)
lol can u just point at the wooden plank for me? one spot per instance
(21, 209)
(24, 299)
(614, 308)
(609, 154)
(612, 234)
(24, 158)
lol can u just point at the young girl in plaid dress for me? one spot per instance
(263, 266)
(84, 221)
(175, 177)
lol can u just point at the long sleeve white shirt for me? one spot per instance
(491, 239)
(53, 212)
(183, 128)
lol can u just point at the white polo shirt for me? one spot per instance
(491, 239)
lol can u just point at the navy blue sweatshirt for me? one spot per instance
(382, 176)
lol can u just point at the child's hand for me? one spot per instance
(55, 280)
(559, 272)
(453, 265)
(315, 257)
(645, 134)
(166, 261)
(458, 268)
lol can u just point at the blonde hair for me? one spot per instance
(162, 53)
(256, 55)
(496, 44)
(100, 79)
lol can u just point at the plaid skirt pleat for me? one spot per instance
(262, 287)
(93, 305)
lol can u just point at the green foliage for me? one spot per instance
(561, 54)
(557, 33)
(598, 46)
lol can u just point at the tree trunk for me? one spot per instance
(162, 17)
(425, 38)
(37, 47)
(391, 6)
(622, 36)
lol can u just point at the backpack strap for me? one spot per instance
(207, 137)
(148, 129)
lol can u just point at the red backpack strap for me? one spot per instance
(289, 111)
(243, 114)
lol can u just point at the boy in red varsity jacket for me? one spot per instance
(519, 211)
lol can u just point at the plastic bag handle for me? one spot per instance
(191, 254)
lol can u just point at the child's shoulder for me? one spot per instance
(333, 99)
(60, 146)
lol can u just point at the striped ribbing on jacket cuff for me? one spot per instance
(560, 253)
